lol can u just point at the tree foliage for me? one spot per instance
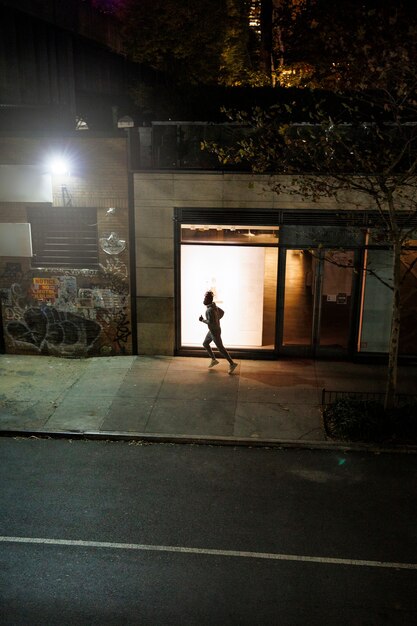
(345, 44)
(205, 42)
(303, 43)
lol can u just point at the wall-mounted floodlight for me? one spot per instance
(59, 166)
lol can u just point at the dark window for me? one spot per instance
(64, 237)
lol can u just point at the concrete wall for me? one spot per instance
(90, 312)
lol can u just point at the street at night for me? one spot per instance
(118, 533)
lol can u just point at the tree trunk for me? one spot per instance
(266, 37)
(391, 387)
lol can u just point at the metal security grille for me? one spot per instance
(64, 237)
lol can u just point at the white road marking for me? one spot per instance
(208, 551)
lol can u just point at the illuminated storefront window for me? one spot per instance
(239, 264)
(294, 289)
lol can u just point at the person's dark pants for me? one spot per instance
(217, 340)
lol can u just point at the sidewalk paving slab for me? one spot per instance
(165, 398)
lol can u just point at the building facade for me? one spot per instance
(64, 246)
(112, 256)
(293, 279)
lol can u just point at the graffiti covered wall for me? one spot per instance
(76, 313)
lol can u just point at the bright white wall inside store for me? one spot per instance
(236, 275)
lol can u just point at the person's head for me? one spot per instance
(208, 297)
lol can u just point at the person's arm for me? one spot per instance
(210, 319)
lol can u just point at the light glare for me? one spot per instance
(59, 166)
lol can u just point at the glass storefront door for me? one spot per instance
(318, 301)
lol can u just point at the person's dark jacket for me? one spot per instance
(213, 315)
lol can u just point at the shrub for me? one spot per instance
(349, 419)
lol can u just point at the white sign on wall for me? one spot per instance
(24, 183)
(15, 240)
(236, 275)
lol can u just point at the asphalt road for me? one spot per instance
(111, 533)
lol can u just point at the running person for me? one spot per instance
(213, 315)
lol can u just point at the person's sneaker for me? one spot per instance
(232, 368)
(213, 362)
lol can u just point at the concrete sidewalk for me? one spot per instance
(178, 398)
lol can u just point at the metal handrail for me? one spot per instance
(329, 396)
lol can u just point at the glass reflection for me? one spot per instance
(223, 234)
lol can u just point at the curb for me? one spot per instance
(154, 438)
